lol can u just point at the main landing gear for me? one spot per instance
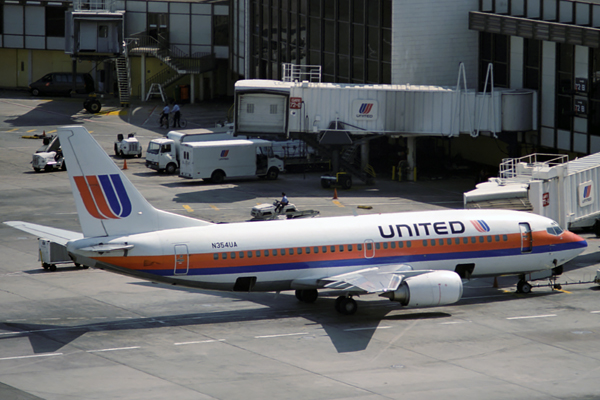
(344, 304)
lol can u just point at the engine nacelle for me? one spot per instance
(437, 288)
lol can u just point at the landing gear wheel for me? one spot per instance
(346, 305)
(523, 286)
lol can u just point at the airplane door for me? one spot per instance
(182, 262)
(369, 248)
(526, 237)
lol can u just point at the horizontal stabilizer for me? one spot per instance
(107, 248)
(60, 236)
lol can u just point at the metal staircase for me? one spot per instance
(347, 164)
(123, 79)
(179, 63)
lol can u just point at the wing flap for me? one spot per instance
(60, 236)
(107, 248)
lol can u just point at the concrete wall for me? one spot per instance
(430, 38)
(21, 67)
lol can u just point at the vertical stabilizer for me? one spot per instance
(107, 202)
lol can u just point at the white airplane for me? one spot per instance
(418, 259)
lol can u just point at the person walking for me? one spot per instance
(164, 115)
(176, 116)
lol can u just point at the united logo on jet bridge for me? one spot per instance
(364, 109)
(104, 196)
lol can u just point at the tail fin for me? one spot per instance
(107, 202)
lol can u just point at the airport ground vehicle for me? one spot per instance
(49, 157)
(341, 178)
(270, 211)
(62, 83)
(163, 154)
(216, 160)
(128, 147)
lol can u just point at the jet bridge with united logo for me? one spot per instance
(343, 116)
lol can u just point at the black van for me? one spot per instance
(62, 83)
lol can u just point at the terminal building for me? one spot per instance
(548, 47)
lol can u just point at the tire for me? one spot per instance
(348, 306)
(36, 169)
(272, 174)
(346, 181)
(48, 168)
(52, 267)
(171, 168)
(95, 106)
(35, 92)
(309, 295)
(140, 155)
(217, 176)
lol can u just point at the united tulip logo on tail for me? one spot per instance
(104, 196)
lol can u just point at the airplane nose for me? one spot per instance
(576, 240)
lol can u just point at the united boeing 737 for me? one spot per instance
(418, 259)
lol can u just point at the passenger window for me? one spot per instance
(307, 250)
(433, 242)
(291, 252)
(489, 239)
(369, 246)
(241, 254)
(359, 247)
(400, 245)
(216, 256)
(249, 254)
(448, 241)
(266, 252)
(385, 245)
(341, 247)
(473, 239)
(377, 246)
(299, 250)
(324, 248)
(456, 240)
(465, 240)
(481, 239)
(349, 247)
(424, 243)
(316, 249)
(441, 242)
(332, 248)
(283, 252)
(232, 256)
(257, 253)
(505, 238)
(393, 245)
(224, 256)
(497, 237)
(275, 252)
(408, 244)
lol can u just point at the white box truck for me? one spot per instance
(163, 154)
(216, 160)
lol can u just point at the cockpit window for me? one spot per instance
(554, 229)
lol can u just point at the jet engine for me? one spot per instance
(435, 288)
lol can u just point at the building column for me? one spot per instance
(364, 156)
(411, 156)
(192, 88)
(143, 78)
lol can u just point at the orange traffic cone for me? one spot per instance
(124, 164)
(43, 133)
(334, 194)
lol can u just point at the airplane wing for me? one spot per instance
(60, 236)
(376, 279)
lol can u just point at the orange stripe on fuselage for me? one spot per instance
(87, 198)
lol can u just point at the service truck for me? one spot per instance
(216, 160)
(163, 154)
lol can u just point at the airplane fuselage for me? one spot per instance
(278, 255)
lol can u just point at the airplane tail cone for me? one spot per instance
(335, 194)
(124, 164)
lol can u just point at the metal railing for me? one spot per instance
(95, 5)
(299, 73)
(532, 162)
